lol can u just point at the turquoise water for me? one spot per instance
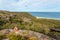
(46, 14)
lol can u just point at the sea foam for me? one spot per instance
(47, 18)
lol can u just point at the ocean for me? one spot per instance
(46, 14)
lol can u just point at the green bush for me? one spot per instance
(2, 37)
(13, 36)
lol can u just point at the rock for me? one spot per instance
(39, 36)
(28, 34)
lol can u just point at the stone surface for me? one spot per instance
(28, 34)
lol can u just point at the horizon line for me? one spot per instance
(28, 11)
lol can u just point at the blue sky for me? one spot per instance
(30, 5)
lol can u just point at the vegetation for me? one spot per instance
(23, 20)
(2, 37)
(13, 36)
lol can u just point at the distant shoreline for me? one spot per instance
(47, 18)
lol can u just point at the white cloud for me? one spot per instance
(30, 5)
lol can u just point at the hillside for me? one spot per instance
(13, 18)
(25, 21)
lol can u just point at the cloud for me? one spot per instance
(30, 5)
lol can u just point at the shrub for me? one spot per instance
(16, 37)
(2, 37)
(32, 38)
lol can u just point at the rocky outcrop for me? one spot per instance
(28, 34)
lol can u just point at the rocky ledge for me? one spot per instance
(27, 34)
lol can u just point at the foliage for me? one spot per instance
(32, 38)
(2, 37)
(13, 36)
(12, 19)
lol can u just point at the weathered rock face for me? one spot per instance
(28, 34)
(38, 36)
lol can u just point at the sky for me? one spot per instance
(30, 5)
